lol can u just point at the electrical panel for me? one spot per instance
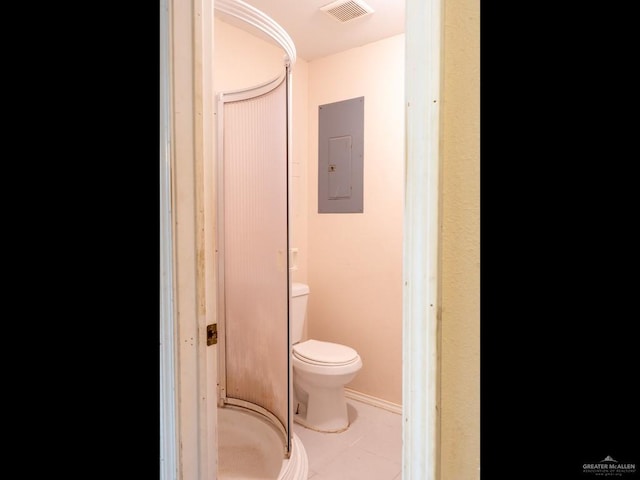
(340, 156)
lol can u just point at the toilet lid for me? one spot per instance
(324, 353)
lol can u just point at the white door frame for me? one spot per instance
(196, 459)
(421, 304)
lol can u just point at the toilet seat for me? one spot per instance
(316, 352)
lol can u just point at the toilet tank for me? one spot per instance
(299, 295)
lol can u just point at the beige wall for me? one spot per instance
(355, 259)
(242, 60)
(460, 347)
(300, 166)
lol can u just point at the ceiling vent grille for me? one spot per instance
(345, 10)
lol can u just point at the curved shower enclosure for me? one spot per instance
(255, 435)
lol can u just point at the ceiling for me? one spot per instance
(317, 34)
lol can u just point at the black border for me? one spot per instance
(558, 243)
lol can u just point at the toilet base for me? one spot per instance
(301, 421)
(325, 411)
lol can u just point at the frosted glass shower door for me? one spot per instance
(253, 260)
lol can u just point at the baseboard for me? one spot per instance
(373, 401)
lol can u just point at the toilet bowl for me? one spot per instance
(320, 372)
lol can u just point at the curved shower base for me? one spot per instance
(250, 447)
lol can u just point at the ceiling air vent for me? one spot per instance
(345, 10)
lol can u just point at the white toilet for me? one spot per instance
(320, 372)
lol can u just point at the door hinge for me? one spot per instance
(212, 334)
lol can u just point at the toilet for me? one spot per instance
(320, 372)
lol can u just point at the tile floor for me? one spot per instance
(370, 449)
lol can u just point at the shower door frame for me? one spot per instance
(223, 399)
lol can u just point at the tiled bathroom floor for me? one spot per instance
(370, 449)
